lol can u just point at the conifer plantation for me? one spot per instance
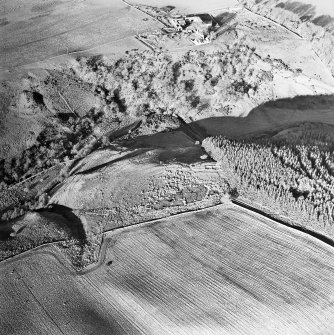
(291, 173)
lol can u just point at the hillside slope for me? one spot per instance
(304, 18)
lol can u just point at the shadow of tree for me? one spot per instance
(271, 116)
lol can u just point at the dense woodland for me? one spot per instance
(192, 85)
(292, 173)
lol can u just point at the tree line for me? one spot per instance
(294, 177)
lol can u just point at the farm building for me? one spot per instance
(183, 22)
(178, 22)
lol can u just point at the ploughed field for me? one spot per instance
(218, 271)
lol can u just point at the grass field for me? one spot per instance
(36, 30)
(218, 271)
(161, 172)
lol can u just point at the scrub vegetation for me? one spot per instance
(53, 146)
(194, 84)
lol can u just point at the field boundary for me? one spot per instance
(141, 40)
(283, 221)
(105, 239)
(107, 235)
(234, 202)
(143, 12)
(34, 249)
(144, 223)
